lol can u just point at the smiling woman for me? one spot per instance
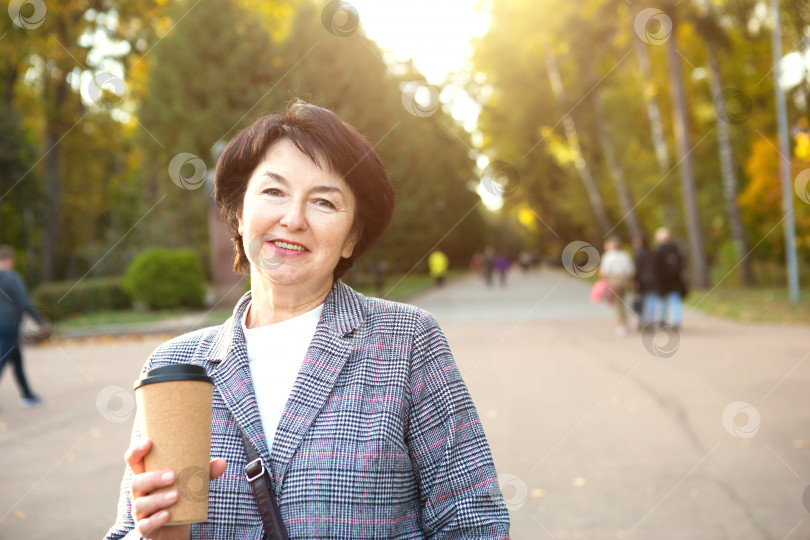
(353, 406)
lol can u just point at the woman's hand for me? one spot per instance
(149, 510)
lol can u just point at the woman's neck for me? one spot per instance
(273, 303)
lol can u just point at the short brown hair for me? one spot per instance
(328, 142)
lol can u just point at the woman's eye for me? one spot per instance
(325, 203)
(273, 192)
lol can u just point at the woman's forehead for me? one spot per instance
(285, 151)
(284, 155)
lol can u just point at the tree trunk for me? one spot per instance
(681, 127)
(656, 125)
(616, 171)
(727, 167)
(52, 176)
(581, 165)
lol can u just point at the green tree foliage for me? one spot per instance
(221, 68)
(427, 156)
(593, 43)
(45, 50)
(206, 79)
(88, 169)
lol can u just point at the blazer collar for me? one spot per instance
(343, 312)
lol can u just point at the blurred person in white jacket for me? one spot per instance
(617, 268)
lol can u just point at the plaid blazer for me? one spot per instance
(378, 439)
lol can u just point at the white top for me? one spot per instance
(616, 264)
(275, 354)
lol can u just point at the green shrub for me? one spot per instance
(163, 278)
(60, 299)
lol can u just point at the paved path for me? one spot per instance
(594, 436)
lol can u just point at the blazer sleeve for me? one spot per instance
(456, 478)
(124, 525)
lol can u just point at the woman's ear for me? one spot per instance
(351, 241)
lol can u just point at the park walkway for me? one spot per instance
(704, 435)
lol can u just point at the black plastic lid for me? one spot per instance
(173, 372)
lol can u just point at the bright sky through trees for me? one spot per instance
(437, 36)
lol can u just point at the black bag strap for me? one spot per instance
(259, 480)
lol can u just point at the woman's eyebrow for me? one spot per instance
(327, 189)
(277, 177)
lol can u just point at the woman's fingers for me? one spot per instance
(153, 529)
(218, 467)
(152, 505)
(149, 509)
(147, 526)
(146, 483)
(135, 454)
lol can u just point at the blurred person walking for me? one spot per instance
(617, 269)
(438, 264)
(671, 285)
(488, 264)
(14, 301)
(525, 260)
(645, 281)
(501, 265)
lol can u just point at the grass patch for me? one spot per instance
(400, 288)
(397, 288)
(131, 317)
(757, 305)
(103, 318)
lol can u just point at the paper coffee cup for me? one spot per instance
(174, 404)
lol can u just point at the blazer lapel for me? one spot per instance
(327, 354)
(232, 378)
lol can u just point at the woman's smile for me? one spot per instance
(288, 248)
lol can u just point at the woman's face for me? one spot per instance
(296, 220)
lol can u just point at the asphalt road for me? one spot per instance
(698, 435)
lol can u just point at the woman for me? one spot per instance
(616, 267)
(355, 404)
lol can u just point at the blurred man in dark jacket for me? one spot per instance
(14, 301)
(669, 265)
(645, 281)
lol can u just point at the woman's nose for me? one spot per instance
(294, 218)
